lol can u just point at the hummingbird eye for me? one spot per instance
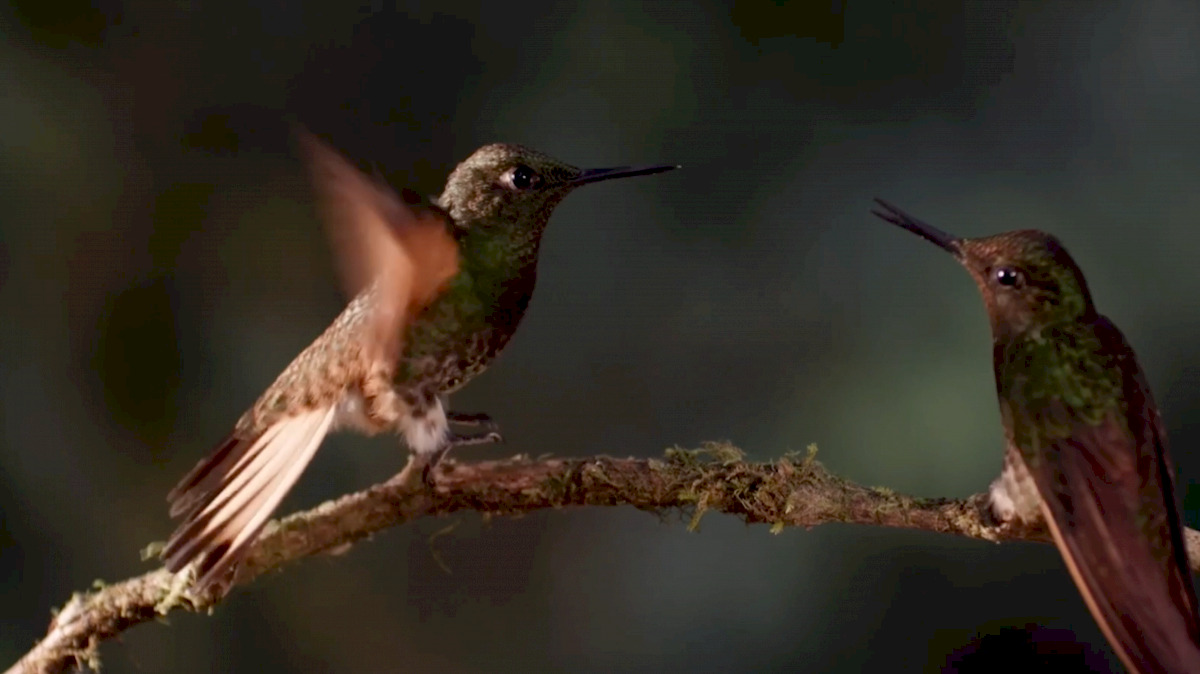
(1007, 276)
(521, 177)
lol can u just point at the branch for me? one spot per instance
(794, 491)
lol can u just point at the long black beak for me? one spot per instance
(920, 228)
(596, 175)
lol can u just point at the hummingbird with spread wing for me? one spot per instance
(438, 286)
(1086, 447)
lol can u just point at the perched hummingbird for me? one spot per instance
(1086, 447)
(438, 289)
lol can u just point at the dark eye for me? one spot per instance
(1007, 276)
(522, 177)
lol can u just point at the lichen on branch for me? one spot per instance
(793, 491)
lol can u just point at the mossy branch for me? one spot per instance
(793, 491)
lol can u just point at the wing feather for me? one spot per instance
(1108, 494)
(402, 248)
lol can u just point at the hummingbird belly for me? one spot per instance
(1014, 494)
(446, 365)
(420, 419)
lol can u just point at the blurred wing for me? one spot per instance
(401, 250)
(1112, 510)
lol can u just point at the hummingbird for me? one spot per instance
(1086, 449)
(438, 287)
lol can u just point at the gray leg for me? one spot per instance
(471, 419)
(472, 439)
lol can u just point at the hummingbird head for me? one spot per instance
(1027, 278)
(509, 191)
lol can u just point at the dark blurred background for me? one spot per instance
(160, 262)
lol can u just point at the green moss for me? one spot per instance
(152, 551)
(556, 488)
(594, 472)
(722, 453)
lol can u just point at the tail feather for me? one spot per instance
(197, 483)
(245, 480)
(252, 471)
(228, 498)
(214, 474)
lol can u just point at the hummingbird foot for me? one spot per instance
(421, 465)
(455, 440)
(472, 419)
